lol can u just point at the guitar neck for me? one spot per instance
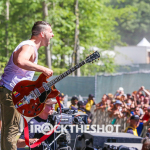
(63, 75)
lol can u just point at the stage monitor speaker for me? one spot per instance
(128, 145)
(97, 140)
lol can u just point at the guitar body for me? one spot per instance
(35, 106)
(29, 96)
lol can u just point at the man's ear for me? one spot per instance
(42, 34)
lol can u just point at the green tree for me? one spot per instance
(97, 22)
(136, 26)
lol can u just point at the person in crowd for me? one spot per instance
(35, 135)
(147, 92)
(74, 102)
(103, 104)
(134, 123)
(124, 99)
(128, 105)
(21, 66)
(129, 102)
(140, 97)
(125, 111)
(144, 108)
(116, 110)
(119, 92)
(146, 100)
(119, 97)
(148, 133)
(139, 103)
(146, 117)
(137, 112)
(110, 97)
(141, 110)
(129, 96)
(112, 103)
(146, 144)
(141, 100)
(61, 99)
(140, 127)
(133, 95)
(81, 108)
(89, 103)
(132, 110)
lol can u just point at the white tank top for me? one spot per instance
(13, 74)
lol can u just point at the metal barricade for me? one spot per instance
(101, 117)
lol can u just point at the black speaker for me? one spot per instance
(97, 140)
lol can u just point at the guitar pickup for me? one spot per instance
(37, 93)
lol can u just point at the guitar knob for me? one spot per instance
(33, 107)
(35, 114)
(38, 109)
(29, 112)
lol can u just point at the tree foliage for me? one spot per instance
(133, 25)
(97, 22)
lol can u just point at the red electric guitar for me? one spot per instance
(29, 96)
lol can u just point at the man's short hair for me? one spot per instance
(38, 27)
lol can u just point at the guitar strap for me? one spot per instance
(44, 137)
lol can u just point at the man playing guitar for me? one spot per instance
(21, 66)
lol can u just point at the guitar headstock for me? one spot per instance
(92, 57)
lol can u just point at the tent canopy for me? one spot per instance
(144, 42)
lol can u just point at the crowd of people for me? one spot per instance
(134, 106)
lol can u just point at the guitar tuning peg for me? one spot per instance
(98, 58)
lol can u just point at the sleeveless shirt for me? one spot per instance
(13, 74)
